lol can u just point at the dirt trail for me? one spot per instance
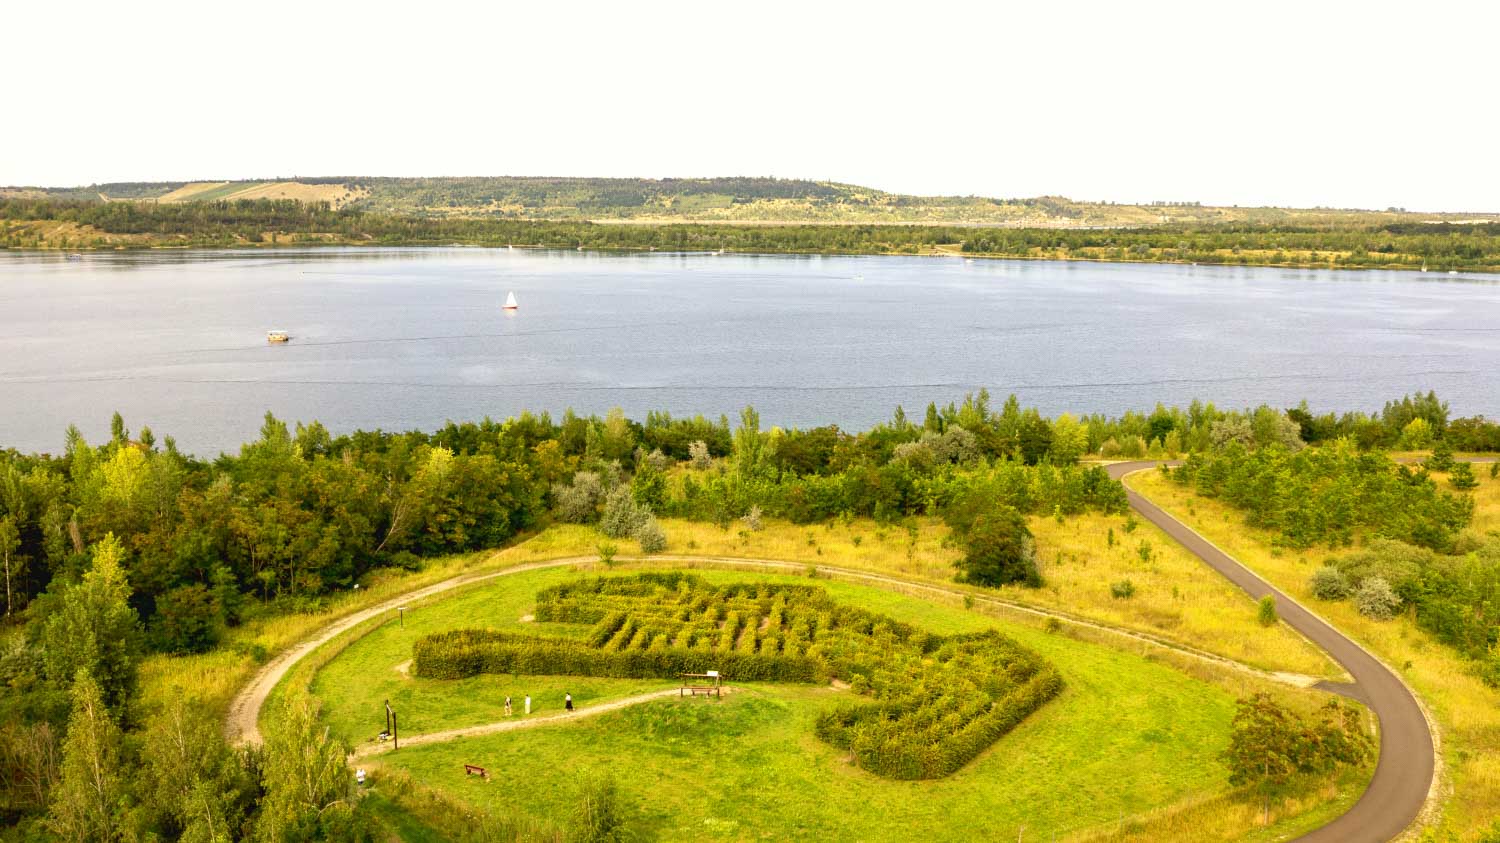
(245, 708)
(520, 721)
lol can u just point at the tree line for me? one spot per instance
(244, 222)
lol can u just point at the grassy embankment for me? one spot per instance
(1129, 736)
(1466, 710)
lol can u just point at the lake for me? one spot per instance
(409, 338)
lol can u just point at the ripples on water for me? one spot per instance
(408, 338)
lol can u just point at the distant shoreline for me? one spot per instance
(1445, 272)
(76, 226)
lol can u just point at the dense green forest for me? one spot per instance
(115, 550)
(43, 223)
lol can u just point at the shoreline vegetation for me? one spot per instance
(1347, 241)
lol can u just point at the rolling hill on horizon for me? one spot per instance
(744, 200)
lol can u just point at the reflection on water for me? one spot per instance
(408, 338)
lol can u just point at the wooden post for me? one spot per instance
(395, 733)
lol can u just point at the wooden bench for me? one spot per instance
(692, 684)
(475, 770)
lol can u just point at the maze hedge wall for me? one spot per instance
(924, 705)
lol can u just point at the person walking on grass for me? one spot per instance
(528, 703)
(568, 702)
(507, 705)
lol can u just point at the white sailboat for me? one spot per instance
(510, 301)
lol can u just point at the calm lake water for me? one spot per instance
(408, 338)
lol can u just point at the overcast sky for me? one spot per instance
(1357, 104)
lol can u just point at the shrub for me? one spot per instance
(607, 551)
(1329, 583)
(658, 461)
(1122, 590)
(1134, 447)
(651, 536)
(622, 515)
(1265, 611)
(698, 456)
(1462, 477)
(999, 550)
(752, 519)
(1375, 599)
(1442, 457)
(578, 503)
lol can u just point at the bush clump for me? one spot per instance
(651, 536)
(1122, 590)
(1329, 583)
(1265, 611)
(1376, 599)
(622, 517)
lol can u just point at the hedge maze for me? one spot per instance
(925, 705)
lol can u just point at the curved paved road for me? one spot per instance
(1403, 775)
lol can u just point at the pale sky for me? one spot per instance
(1350, 104)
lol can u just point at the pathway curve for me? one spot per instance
(1404, 774)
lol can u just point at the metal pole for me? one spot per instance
(395, 733)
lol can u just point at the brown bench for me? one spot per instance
(474, 770)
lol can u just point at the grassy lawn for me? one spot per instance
(356, 684)
(1129, 736)
(1467, 711)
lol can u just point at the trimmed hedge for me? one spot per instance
(935, 702)
(469, 652)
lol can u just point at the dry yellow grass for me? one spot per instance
(336, 195)
(1233, 817)
(1466, 710)
(188, 191)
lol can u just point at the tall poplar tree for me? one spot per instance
(89, 795)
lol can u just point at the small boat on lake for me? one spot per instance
(275, 337)
(510, 301)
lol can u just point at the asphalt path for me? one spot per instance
(1404, 772)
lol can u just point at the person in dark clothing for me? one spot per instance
(568, 701)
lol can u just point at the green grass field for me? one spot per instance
(1128, 736)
